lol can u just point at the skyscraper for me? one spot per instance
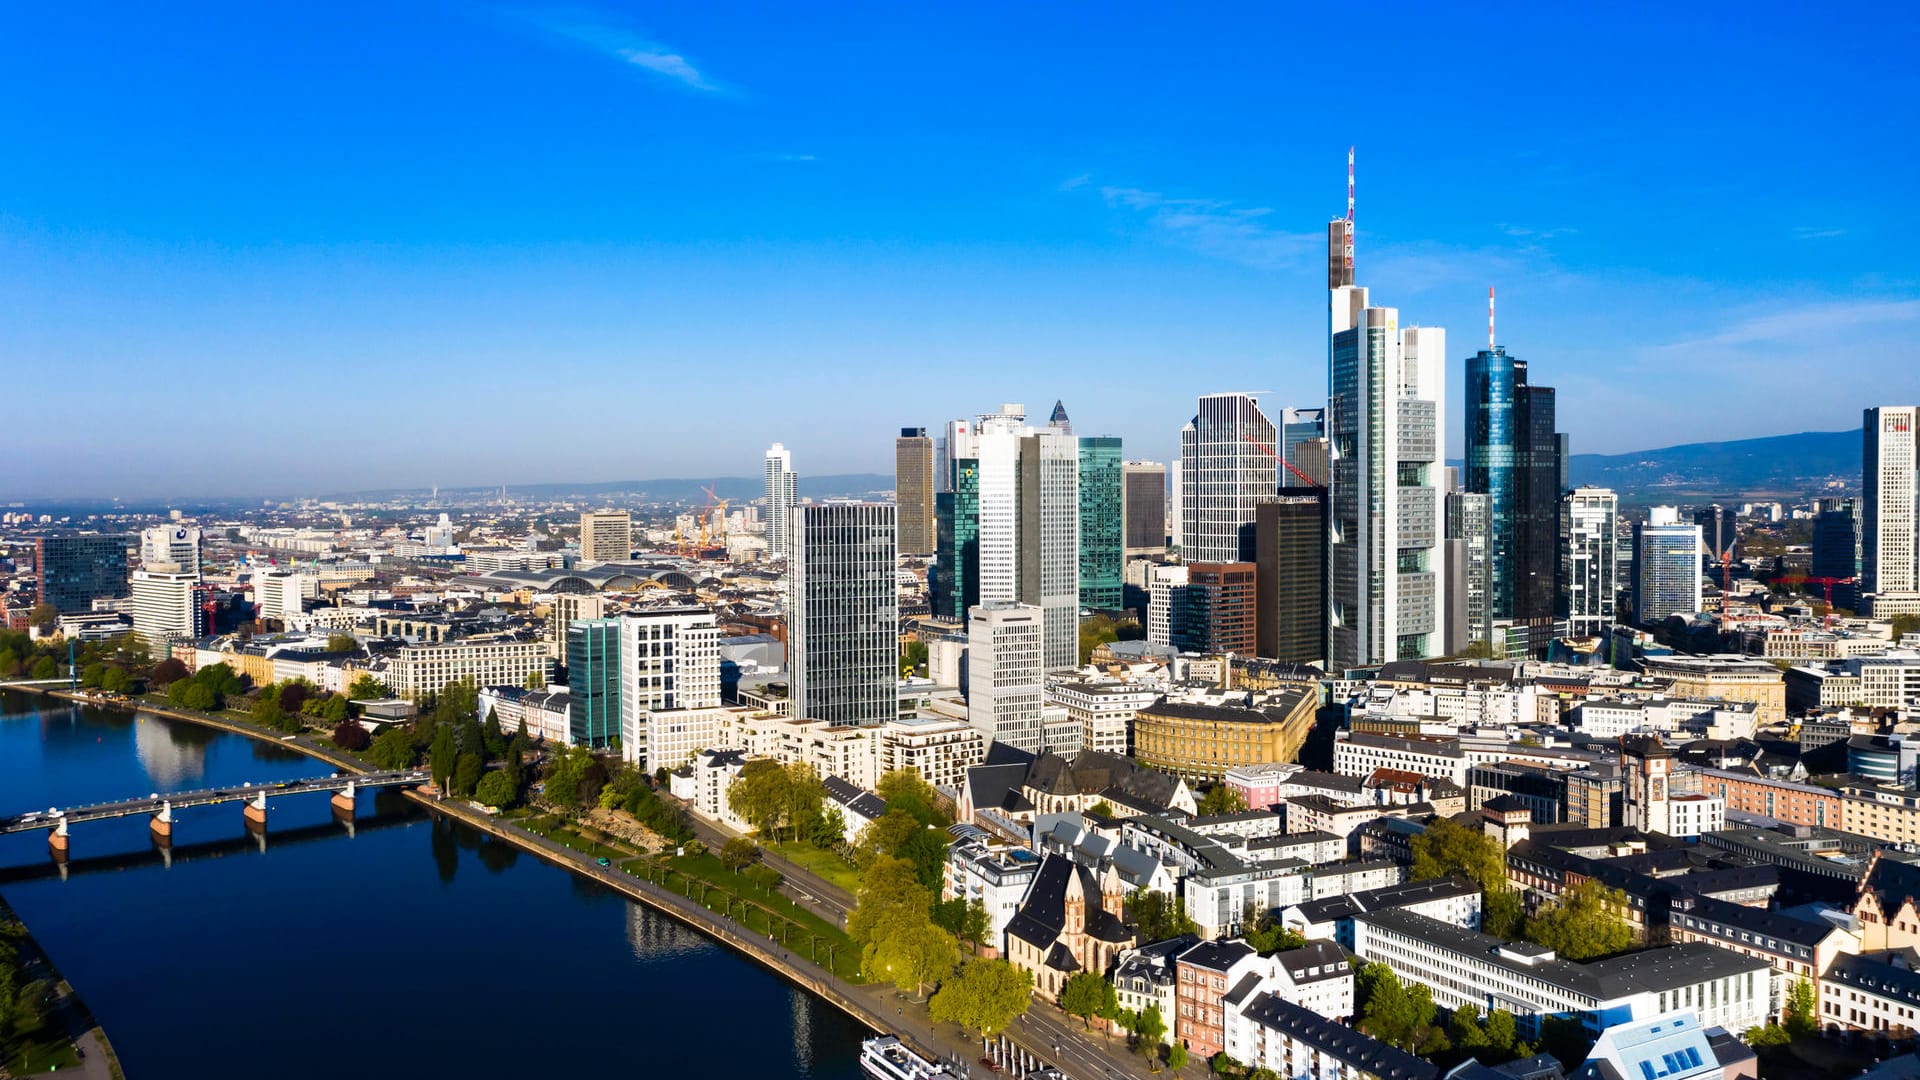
(1889, 519)
(913, 490)
(1589, 571)
(1303, 444)
(593, 681)
(171, 548)
(1836, 548)
(781, 489)
(1144, 500)
(1290, 557)
(166, 606)
(1387, 580)
(843, 613)
(1717, 531)
(669, 672)
(1101, 524)
(1177, 506)
(1513, 457)
(75, 571)
(1469, 545)
(606, 535)
(1006, 673)
(1021, 541)
(1227, 468)
(1666, 567)
(1221, 608)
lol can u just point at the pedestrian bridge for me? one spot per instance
(252, 797)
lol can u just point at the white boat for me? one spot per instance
(885, 1057)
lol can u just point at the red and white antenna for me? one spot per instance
(1349, 213)
(1489, 316)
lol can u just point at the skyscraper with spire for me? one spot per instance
(1386, 401)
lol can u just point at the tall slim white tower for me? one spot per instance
(1589, 560)
(1889, 519)
(780, 491)
(1029, 522)
(1387, 399)
(1226, 469)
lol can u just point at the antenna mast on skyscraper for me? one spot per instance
(1349, 212)
(1489, 317)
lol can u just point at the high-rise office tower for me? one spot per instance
(781, 489)
(1590, 561)
(1144, 501)
(606, 535)
(1303, 445)
(1513, 457)
(1386, 574)
(1290, 594)
(1889, 518)
(593, 681)
(1227, 468)
(171, 548)
(1717, 531)
(1666, 566)
(1177, 506)
(913, 490)
(669, 672)
(75, 571)
(1006, 673)
(843, 614)
(1167, 607)
(1221, 608)
(1836, 549)
(166, 606)
(1015, 536)
(1469, 554)
(1102, 502)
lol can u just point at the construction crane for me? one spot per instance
(1304, 478)
(1726, 578)
(718, 538)
(1827, 583)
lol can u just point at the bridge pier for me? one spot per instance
(57, 840)
(162, 824)
(256, 809)
(343, 800)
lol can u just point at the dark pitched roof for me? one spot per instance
(1876, 974)
(855, 798)
(1216, 955)
(1042, 915)
(1315, 961)
(1338, 1041)
(1414, 892)
(1892, 881)
(1758, 921)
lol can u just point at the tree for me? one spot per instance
(1803, 1017)
(1083, 995)
(167, 671)
(1503, 1034)
(393, 749)
(738, 853)
(1502, 914)
(760, 795)
(984, 997)
(1158, 915)
(266, 709)
(913, 657)
(1447, 848)
(1902, 625)
(116, 681)
(43, 617)
(495, 789)
(92, 674)
(885, 835)
(828, 829)
(889, 894)
(367, 688)
(1177, 1056)
(1152, 1028)
(926, 849)
(294, 694)
(976, 925)
(441, 757)
(342, 643)
(44, 668)
(1584, 924)
(805, 791)
(1221, 799)
(911, 955)
(349, 735)
(1396, 1013)
(1103, 808)
(536, 680)
(466, 773)
(906, 790)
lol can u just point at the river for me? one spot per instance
(410, 946)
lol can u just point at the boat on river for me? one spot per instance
(885, 1057)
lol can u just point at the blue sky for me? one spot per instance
(296, 249)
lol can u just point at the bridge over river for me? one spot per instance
(253, 797)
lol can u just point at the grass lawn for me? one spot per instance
(41, 1051)
(827, 864)
(770, 913)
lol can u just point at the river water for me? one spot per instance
(410, 947)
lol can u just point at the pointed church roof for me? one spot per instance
(1058, 421)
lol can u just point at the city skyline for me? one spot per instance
(589, 205)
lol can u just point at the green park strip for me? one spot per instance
(767, 912)
(827, 865)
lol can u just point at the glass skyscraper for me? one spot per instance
(1513, 457)
(955, 574)
(77, 570)
(1226, 469)
(1101, 527)
(593, 681)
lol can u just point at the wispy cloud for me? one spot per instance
(1814, 232)
(1074, 183)
(1527, 232)
(1213, 227)
(626, 46)
(788, 158)
(1808, 324)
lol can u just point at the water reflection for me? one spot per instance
(172, 754)
(653, 937)
(498, 855)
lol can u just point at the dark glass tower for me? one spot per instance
(77, 570)
(1514, 458)
(955, 574)
(1101, 540)
(593, 679)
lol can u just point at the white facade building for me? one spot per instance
(1227, 468)
(1889, 519)
(163, 605)
(171, 548)
(606, 535)
(1166, 598)
(1103, 710)
(1006, 673)
(669, 684)
(1590, 560)
(781, 492)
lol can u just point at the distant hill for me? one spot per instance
(1777, 465)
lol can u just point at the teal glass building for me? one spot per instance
(593, 681)
(1102, 539)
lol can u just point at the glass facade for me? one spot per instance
(593, 681)
(956, 569)
(1514, 458)
(1101, 539)
(77, 570)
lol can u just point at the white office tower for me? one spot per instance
(163, 605)
(1177, 511)
(281, 594)
(173, 549)
(843, 614)
(439, 535)
(606, 535)
(1889, 524)
(1029, 522)
(1386, 574)
(1166, 604)
(1589, 560)
(1227, 467)
(1006, 673)
(669, 684)
(780, 491)
(1666, 566)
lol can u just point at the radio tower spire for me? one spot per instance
(1349, 212)
(1489, 317)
